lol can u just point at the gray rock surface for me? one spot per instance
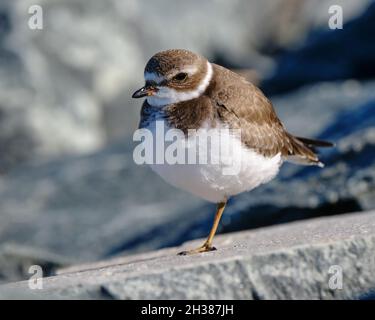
(296, 68)
(291, 261)
(16, 260)
(87, 207)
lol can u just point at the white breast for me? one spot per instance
(238, 170)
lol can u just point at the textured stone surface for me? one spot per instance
(299, 67)
(290, 261)
(16, 260)
(94, 206)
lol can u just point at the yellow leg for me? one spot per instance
(207, 245)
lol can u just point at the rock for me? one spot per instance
(88, 207)
(101, 204)
(16, 260)
(301, 260)
(324, 56)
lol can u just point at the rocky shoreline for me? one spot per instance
(71, 194)
(324, 258)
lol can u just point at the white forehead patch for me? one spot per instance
(154, 77)
(166, 95)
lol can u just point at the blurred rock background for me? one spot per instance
(68, 183)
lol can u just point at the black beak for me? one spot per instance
(144, 92)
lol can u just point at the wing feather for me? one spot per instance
(245, 107)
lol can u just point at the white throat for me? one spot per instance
(167, 96)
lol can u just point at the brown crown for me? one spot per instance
(165, 61)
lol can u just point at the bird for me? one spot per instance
(186, 92)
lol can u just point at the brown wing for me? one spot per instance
(245, 107)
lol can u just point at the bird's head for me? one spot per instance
(173, 76)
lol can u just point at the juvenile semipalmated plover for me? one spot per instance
(186, 91)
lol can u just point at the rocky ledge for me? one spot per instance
(324, 258)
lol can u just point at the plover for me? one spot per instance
(185, 91)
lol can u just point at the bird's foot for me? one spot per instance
(204, 248)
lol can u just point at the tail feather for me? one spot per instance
(315, 143)
(303, 150)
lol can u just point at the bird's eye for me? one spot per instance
(180, 76)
